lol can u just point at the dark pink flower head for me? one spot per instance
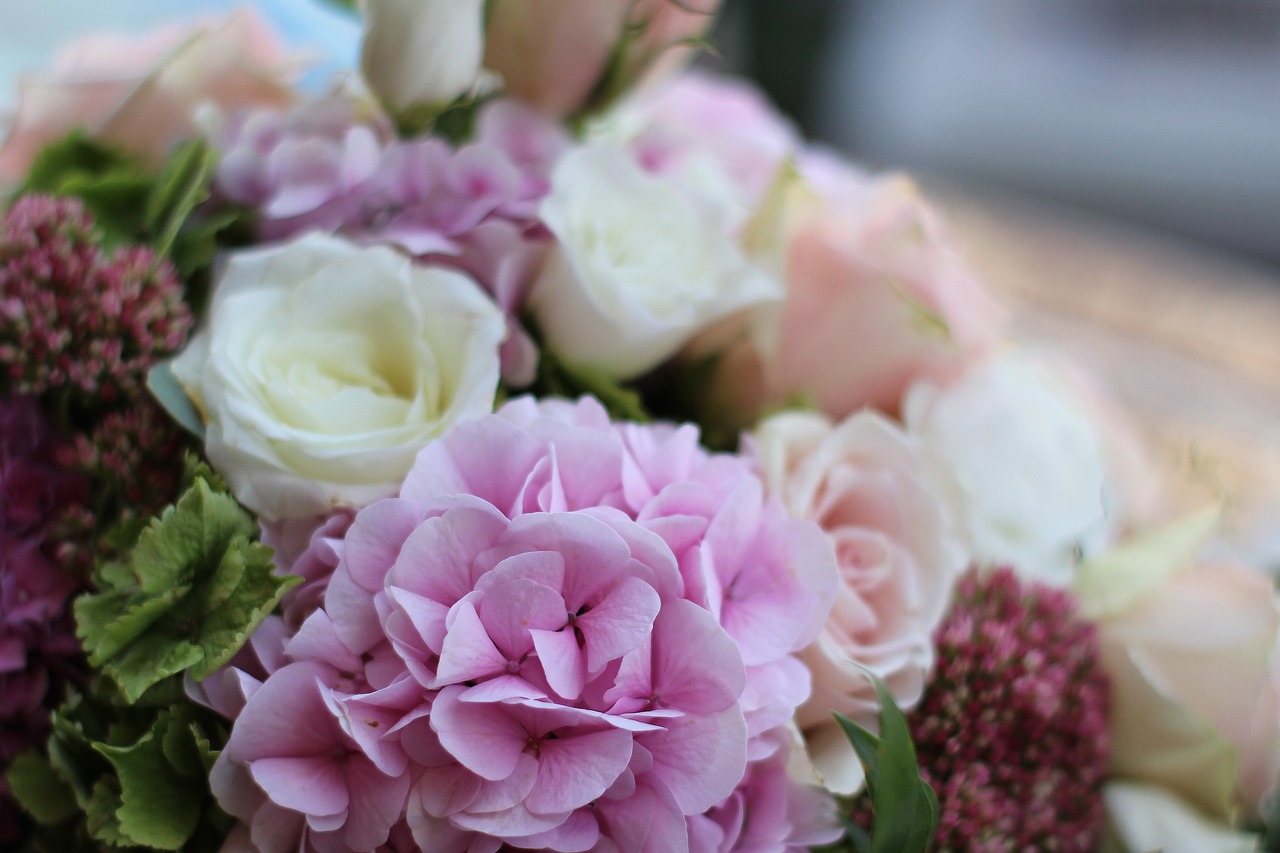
(548, 641)
(72, 316)
(1012, 731)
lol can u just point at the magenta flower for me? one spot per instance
(70, 315)
(1012, 731)
(574, 643)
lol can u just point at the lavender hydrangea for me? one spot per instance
(334, 166)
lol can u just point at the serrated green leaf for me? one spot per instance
(173, 398)
(150, 659)
(195, 589)
(39, 790)
(226, 629)
(107, 622)
(100, 812)
(188, 538)
(159, 805)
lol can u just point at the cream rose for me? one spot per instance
(862, 482)
(1020, 460)
(1195, 675)
(326, 366)
(143, 94)
(640, 265)
(421, 52)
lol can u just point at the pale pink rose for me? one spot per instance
(1195, 676)
(877, 298)
(555, 54)
(143, 94)
(862, 482)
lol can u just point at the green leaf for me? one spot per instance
(187, 596)
(160, 804)
(100, 813)
(905, 806)
(39, 789)
(164, 386)
(112, 185)
(1111, 583)
(556, 378)
(181, 187)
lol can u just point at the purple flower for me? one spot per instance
(38, 648)
(327, 166)
(565, 634)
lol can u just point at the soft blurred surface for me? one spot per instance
(31, 32)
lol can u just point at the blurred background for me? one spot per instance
(1110, 167)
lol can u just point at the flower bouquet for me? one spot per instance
(526, 443)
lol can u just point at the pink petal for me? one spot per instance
(573, 771)
(562, 661)
(700, 759)
(619, 623)
(375, 539)
(467, 654)
(436, 560)
(442, 791)
(578, 834)
(286, 717)
(313, 785)
(377, 801)
(483, 738)
(505, 794)
(696, 665)
(510, 610)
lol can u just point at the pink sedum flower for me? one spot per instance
(565, 634)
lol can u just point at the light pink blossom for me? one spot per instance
(553, 639)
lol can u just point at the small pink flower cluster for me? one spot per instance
(72, 316)
(565, 634)
(1012, 732)
(474, 207)
(38, 648)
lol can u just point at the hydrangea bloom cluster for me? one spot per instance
(1012, 732)
(72, 316)
(474, 207)
(565, 634)
(38, 648)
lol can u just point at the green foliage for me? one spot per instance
(557, 379)
(134, 205)
(124, 776)
(905, 806)
(187, 597)
(112, 185)
(164, 386)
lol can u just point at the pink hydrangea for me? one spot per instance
(565, 634)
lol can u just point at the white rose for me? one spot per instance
(324, 367)
(640, 267)
(421, 52)
(1020, 460)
